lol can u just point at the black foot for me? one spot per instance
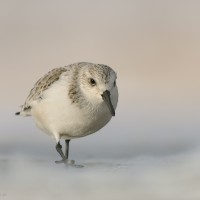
(65, 161)
(70, 163)
(65, 157)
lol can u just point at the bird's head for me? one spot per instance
(98, 85)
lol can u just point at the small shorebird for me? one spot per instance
(72, 101)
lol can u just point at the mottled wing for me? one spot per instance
(41, 85)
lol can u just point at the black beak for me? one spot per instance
(106, 98)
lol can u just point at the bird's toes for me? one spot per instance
(70, 162)
(66, 161)
(59, 161)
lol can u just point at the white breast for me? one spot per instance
(56, 115)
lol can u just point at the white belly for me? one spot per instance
(56, 115)
(62, 119)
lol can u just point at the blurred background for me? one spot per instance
(154, 47)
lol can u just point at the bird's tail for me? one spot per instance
(24, 113)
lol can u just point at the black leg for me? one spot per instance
(59, 150)
(64, 157)
(67, 148)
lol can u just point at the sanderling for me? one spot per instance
(72, 101)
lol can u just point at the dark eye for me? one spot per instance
(92, 82)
